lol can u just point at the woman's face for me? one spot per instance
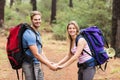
(72, 30)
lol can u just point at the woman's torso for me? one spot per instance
(83, 56)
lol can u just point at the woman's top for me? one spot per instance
(83, 56)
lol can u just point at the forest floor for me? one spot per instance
(55, 51)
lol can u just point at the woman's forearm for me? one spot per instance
(65, 59)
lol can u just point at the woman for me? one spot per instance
(86, 63)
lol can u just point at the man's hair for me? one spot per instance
(33, 13)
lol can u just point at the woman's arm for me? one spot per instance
(80, 47)
(65, 59)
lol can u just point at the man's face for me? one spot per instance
(36, 21)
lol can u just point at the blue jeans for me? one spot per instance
(86, 74)
(32, 71)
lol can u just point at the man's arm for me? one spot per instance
(40, 57)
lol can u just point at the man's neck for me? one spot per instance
(34, 27)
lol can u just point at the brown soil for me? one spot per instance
(55, 51)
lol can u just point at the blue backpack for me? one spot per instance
(96, 42)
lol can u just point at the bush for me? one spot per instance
(85, 13)
(17, 14)
(59, 31)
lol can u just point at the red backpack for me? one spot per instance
(15, 52)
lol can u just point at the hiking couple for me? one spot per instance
(32, 70)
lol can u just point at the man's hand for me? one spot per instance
(60, 67)
(53, 67)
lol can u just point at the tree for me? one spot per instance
(115, 42)
(18, 1)
(11, 3)
(53, 12)
(2, 6)
(70, 3)
(33, 3)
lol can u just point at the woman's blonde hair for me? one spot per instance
(33, 13)
(77, 28)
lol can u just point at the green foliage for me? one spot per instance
(44, 6)
(9, 18)
(84, 12)
(59, 31)
(19, 13)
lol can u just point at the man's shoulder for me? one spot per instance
(29, 34)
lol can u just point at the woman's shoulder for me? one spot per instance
(82, 41)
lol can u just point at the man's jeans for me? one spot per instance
(32, 71)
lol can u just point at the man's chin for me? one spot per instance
(37, 26)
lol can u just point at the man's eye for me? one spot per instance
(37, 19)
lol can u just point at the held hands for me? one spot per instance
(55, 66)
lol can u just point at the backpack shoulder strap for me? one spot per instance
(77, 38)
(29, 27)
(76, 42)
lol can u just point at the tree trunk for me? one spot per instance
(53, 12)
(2, 5)
(11, 3)
(115, 42)
(34, 4)
(70, 3)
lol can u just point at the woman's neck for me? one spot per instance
(73, 37)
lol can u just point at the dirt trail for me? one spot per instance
(55, 51)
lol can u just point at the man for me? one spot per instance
(31, 66)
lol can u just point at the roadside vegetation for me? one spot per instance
(86, 13)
